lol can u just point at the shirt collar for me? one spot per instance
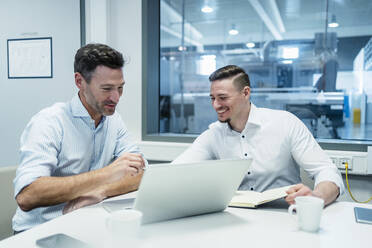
(254, 117)
(77, 107)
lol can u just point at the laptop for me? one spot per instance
(169, 191)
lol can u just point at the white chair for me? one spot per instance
(8, 203)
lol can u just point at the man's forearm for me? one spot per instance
(47, 191)
(328, 191)
(127, 184)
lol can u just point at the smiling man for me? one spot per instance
(77, 153)
(278, 142)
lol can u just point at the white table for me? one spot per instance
(269, 226)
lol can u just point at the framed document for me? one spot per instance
(30, 58)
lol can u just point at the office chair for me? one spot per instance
(8, 203)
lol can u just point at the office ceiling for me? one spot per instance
(260, 20)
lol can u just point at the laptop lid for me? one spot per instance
(169, 191)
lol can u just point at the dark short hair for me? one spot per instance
(90, 56)
(240, 80)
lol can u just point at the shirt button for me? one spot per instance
(245, 154)
(249, 172)
(243, 136)
(251, 188)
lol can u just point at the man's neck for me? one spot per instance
(95, 116)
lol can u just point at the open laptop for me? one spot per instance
(169, 191)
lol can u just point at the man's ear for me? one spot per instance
(247, 91)
(78, 80)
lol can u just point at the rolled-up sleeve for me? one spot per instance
(39, 146)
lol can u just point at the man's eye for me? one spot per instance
(106, 89)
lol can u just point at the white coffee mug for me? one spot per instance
(123, 227)
(309, 211)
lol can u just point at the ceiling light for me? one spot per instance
(233, 30)
(250, 44)
(333, 23)
(207, 9)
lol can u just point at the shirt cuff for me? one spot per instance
(334, 177)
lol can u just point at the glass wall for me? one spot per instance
(312, 58)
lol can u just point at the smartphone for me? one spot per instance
(60, 240)
(363, 215)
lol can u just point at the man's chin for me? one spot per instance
(224, 120)
(108, 112)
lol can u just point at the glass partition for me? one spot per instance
(312, 58)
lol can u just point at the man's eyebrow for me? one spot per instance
(223, 94)
(111, 85)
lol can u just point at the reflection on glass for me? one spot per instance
(295, 62)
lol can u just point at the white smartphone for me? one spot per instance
(363, 215)
(60, 240)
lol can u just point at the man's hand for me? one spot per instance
(127, 164)
(326, 190)
(298, 190)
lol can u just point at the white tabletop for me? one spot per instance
(268, 226)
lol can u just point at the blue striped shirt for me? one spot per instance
(62, 140)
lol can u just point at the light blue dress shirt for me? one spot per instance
(62, 140)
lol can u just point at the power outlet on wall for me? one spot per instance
(340, 161)
(359, 163)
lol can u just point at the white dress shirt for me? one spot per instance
(276, 140)
(62, 140)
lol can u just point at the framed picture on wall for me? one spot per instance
(30, 58)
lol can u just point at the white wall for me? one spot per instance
(125, 35)
(20, 99)
(96, 21)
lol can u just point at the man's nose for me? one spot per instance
(115, 96)
(216, 104)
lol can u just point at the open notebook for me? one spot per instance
(251, 199)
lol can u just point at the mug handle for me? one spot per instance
(291, 209)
